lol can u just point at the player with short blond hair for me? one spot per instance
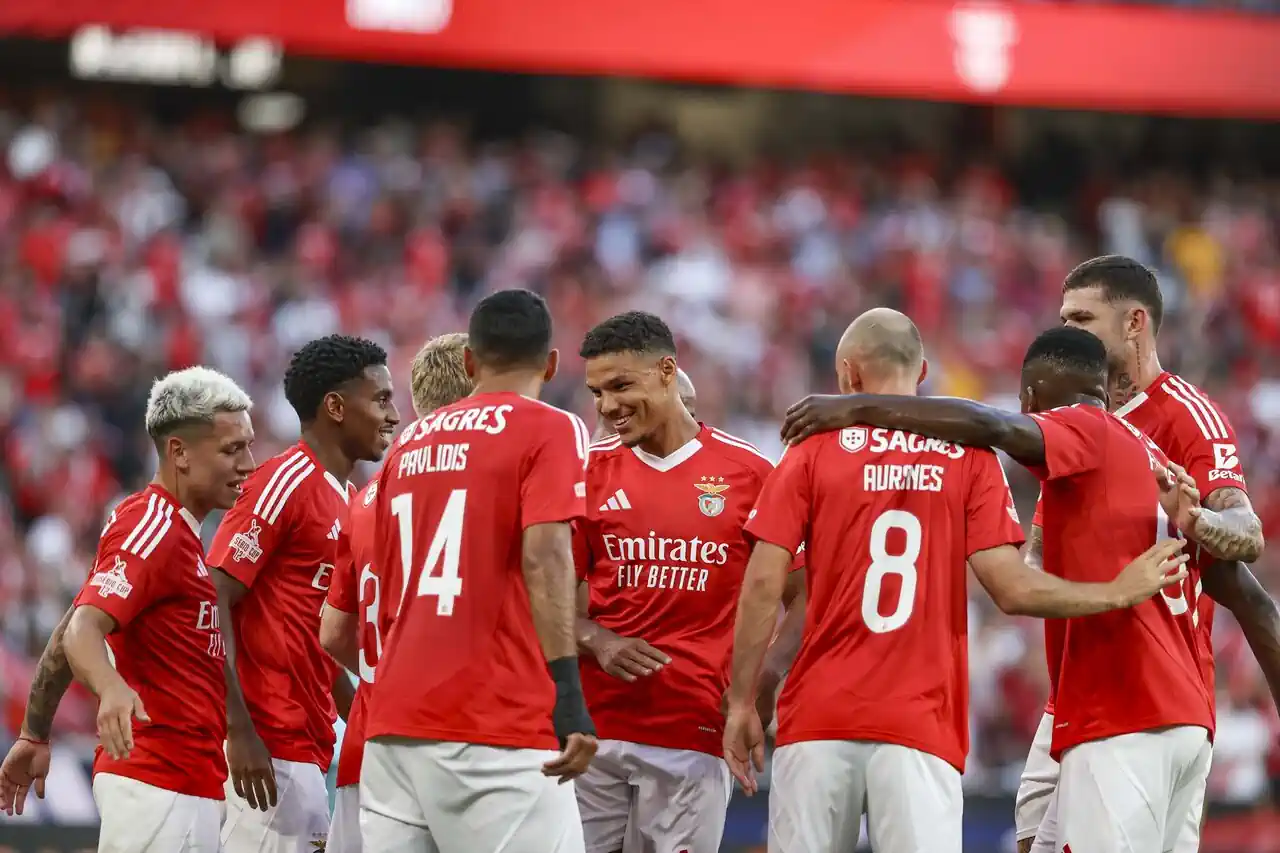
(437, 376)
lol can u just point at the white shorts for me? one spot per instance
(1133, 793)
(821, 789)
(141, 818)
(299, 823)
(1039, 779)
(435, 797)
(344, 826)
(647, 799)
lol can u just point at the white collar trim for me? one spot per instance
(338, 487)
(666, 463)
(190, 520)
(1131, 405)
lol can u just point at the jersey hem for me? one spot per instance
(788, 738)
(454, 736)
(190, 786)
(1056, 751)
(650, 737)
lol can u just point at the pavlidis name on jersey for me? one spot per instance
(487, 419)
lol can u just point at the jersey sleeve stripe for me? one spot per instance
(606, 444)
(1207, 428)
(582, 436)
(142, 525)
(1195, 394)
(272, 488)
(159, 536)
(738, 443)
(290, 486)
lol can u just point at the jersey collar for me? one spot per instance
(682, 454)
(342, 489)
(182, 511)
(1141, 398)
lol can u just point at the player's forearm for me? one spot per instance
(1228, 528)
(1034, 556)
(955, 420)
(340, 637)
(230, 591)
(758, 602)
(344, 694)
(552, 586)
(1234, 586)
(85, 643)
(786, 645)
(1022, 591)
(53, 677)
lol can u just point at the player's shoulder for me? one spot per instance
(605, 451)
(277, 482)
(1184, 406)
(737, 450)
(144, 524)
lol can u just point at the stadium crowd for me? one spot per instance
(127, 250)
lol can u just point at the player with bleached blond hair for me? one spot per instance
(144, 635)
(349, 623)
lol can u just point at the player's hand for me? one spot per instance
(744, 746)
(24, 768)
(628, 658)
(117, 707)
(1179, 496)
(817, 413)
(250, 768)
(766, 698)
(1161, 565)
(574, 759)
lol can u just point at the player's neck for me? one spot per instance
(329, 454)
(168, 481)
(673, 434)
(520, 382)
(896, 387)
(1135, 378)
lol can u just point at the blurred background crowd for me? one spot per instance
(141, 233)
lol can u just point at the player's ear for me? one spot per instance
(1027, 398)
(175, 449)
(847, 377)
(553, 364)
(334, 406)
(924, 371)
(469, 362)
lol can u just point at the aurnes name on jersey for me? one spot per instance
(881, 440)
(660, 562)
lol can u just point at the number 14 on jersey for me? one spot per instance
(443, 552)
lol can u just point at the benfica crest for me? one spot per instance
(244, 545)
(711, 501)
(371, 493)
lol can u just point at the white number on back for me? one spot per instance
(444, 551)
(370, 618)
(1177, 604)
(883, 563)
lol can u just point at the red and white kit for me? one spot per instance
(150, 576)
(461, 716)
(355, 589)
(281, 541)
(874, 715)
(663, 552)
(1195, 433)
(1132, 717)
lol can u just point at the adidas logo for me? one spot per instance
(618, 501)
(335, 530)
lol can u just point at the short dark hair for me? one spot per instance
(1120, 278)
(323, 366)
(510, 328)
(633, 331)
(1068, 348)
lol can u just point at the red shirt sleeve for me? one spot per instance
(582, 559)
(991, 520)
(800, 560)
(781, 514)
(1073, 439)
(1210, 453)
(130, 572)
(245, 541)
(1037, 520)
(554, 485)
(344, 584)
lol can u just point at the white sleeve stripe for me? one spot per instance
(272, 498)
(1195, 394)
(738, 443)
(142, 525)
(155, 540)
(294, 481)
(583, 438)
(1206, 429)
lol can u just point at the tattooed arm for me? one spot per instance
(1228, 528)
(53, 677)
(1034, 557)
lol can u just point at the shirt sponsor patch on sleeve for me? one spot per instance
(113, 581)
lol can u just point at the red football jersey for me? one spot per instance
(355, 590)
(281, 541)
(463, 662)
(150, 577)
(663, 554)
(889, 519)
(1128, 670)
(1054, 629)
(1193, 432)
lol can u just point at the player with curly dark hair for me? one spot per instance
(274, 553)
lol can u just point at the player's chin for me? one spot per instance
(229, 494)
